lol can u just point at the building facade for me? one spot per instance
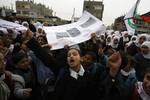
(4, 12)
(96, 8)
(32, 10)
(119, 24)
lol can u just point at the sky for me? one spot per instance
(112, 8)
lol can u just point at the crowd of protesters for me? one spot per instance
(110, 66)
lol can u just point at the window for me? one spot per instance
(25, 12)
(98, 7)
(18, 12)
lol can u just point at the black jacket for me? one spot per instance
(113, 88)
(69, 88)
(141, 65)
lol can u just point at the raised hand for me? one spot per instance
(27, 35)
(27, 92)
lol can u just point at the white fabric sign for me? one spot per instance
(74, 33)
(11, 25)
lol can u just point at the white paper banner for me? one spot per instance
(11, 25)
(74, 33)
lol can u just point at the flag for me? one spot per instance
(129, 18)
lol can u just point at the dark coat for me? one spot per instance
(122, 43)
(133, 49)
(69, 88)
(141, 65)
(113, 88)
(44, 56)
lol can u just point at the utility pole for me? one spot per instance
(73, 16)
(11, 6)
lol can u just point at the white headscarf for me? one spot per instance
(147, 43)
(101, 37)
(25, 23)
(109, 32)
(125, 39)
(117, 33)
(4, 30)
(139, 36)
(130, 33)
(134, 36)
(37, 24)
(38, 33)
(143, 35)
(76, 46)
(141, 91)
(17, 22)
(112, 43)
(131, 41)
(108, 43)
(39, 27)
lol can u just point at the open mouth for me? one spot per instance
(71, 61)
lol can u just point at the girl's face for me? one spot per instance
(41, 40)
(40, 30)
(88, 59)
(116, 41)
(73, 58)
(126, 35)
(133, 39)
(109, 39)
(145, 50)
(24, 63)
(146, 83)
(142, 39)
(102, 37)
